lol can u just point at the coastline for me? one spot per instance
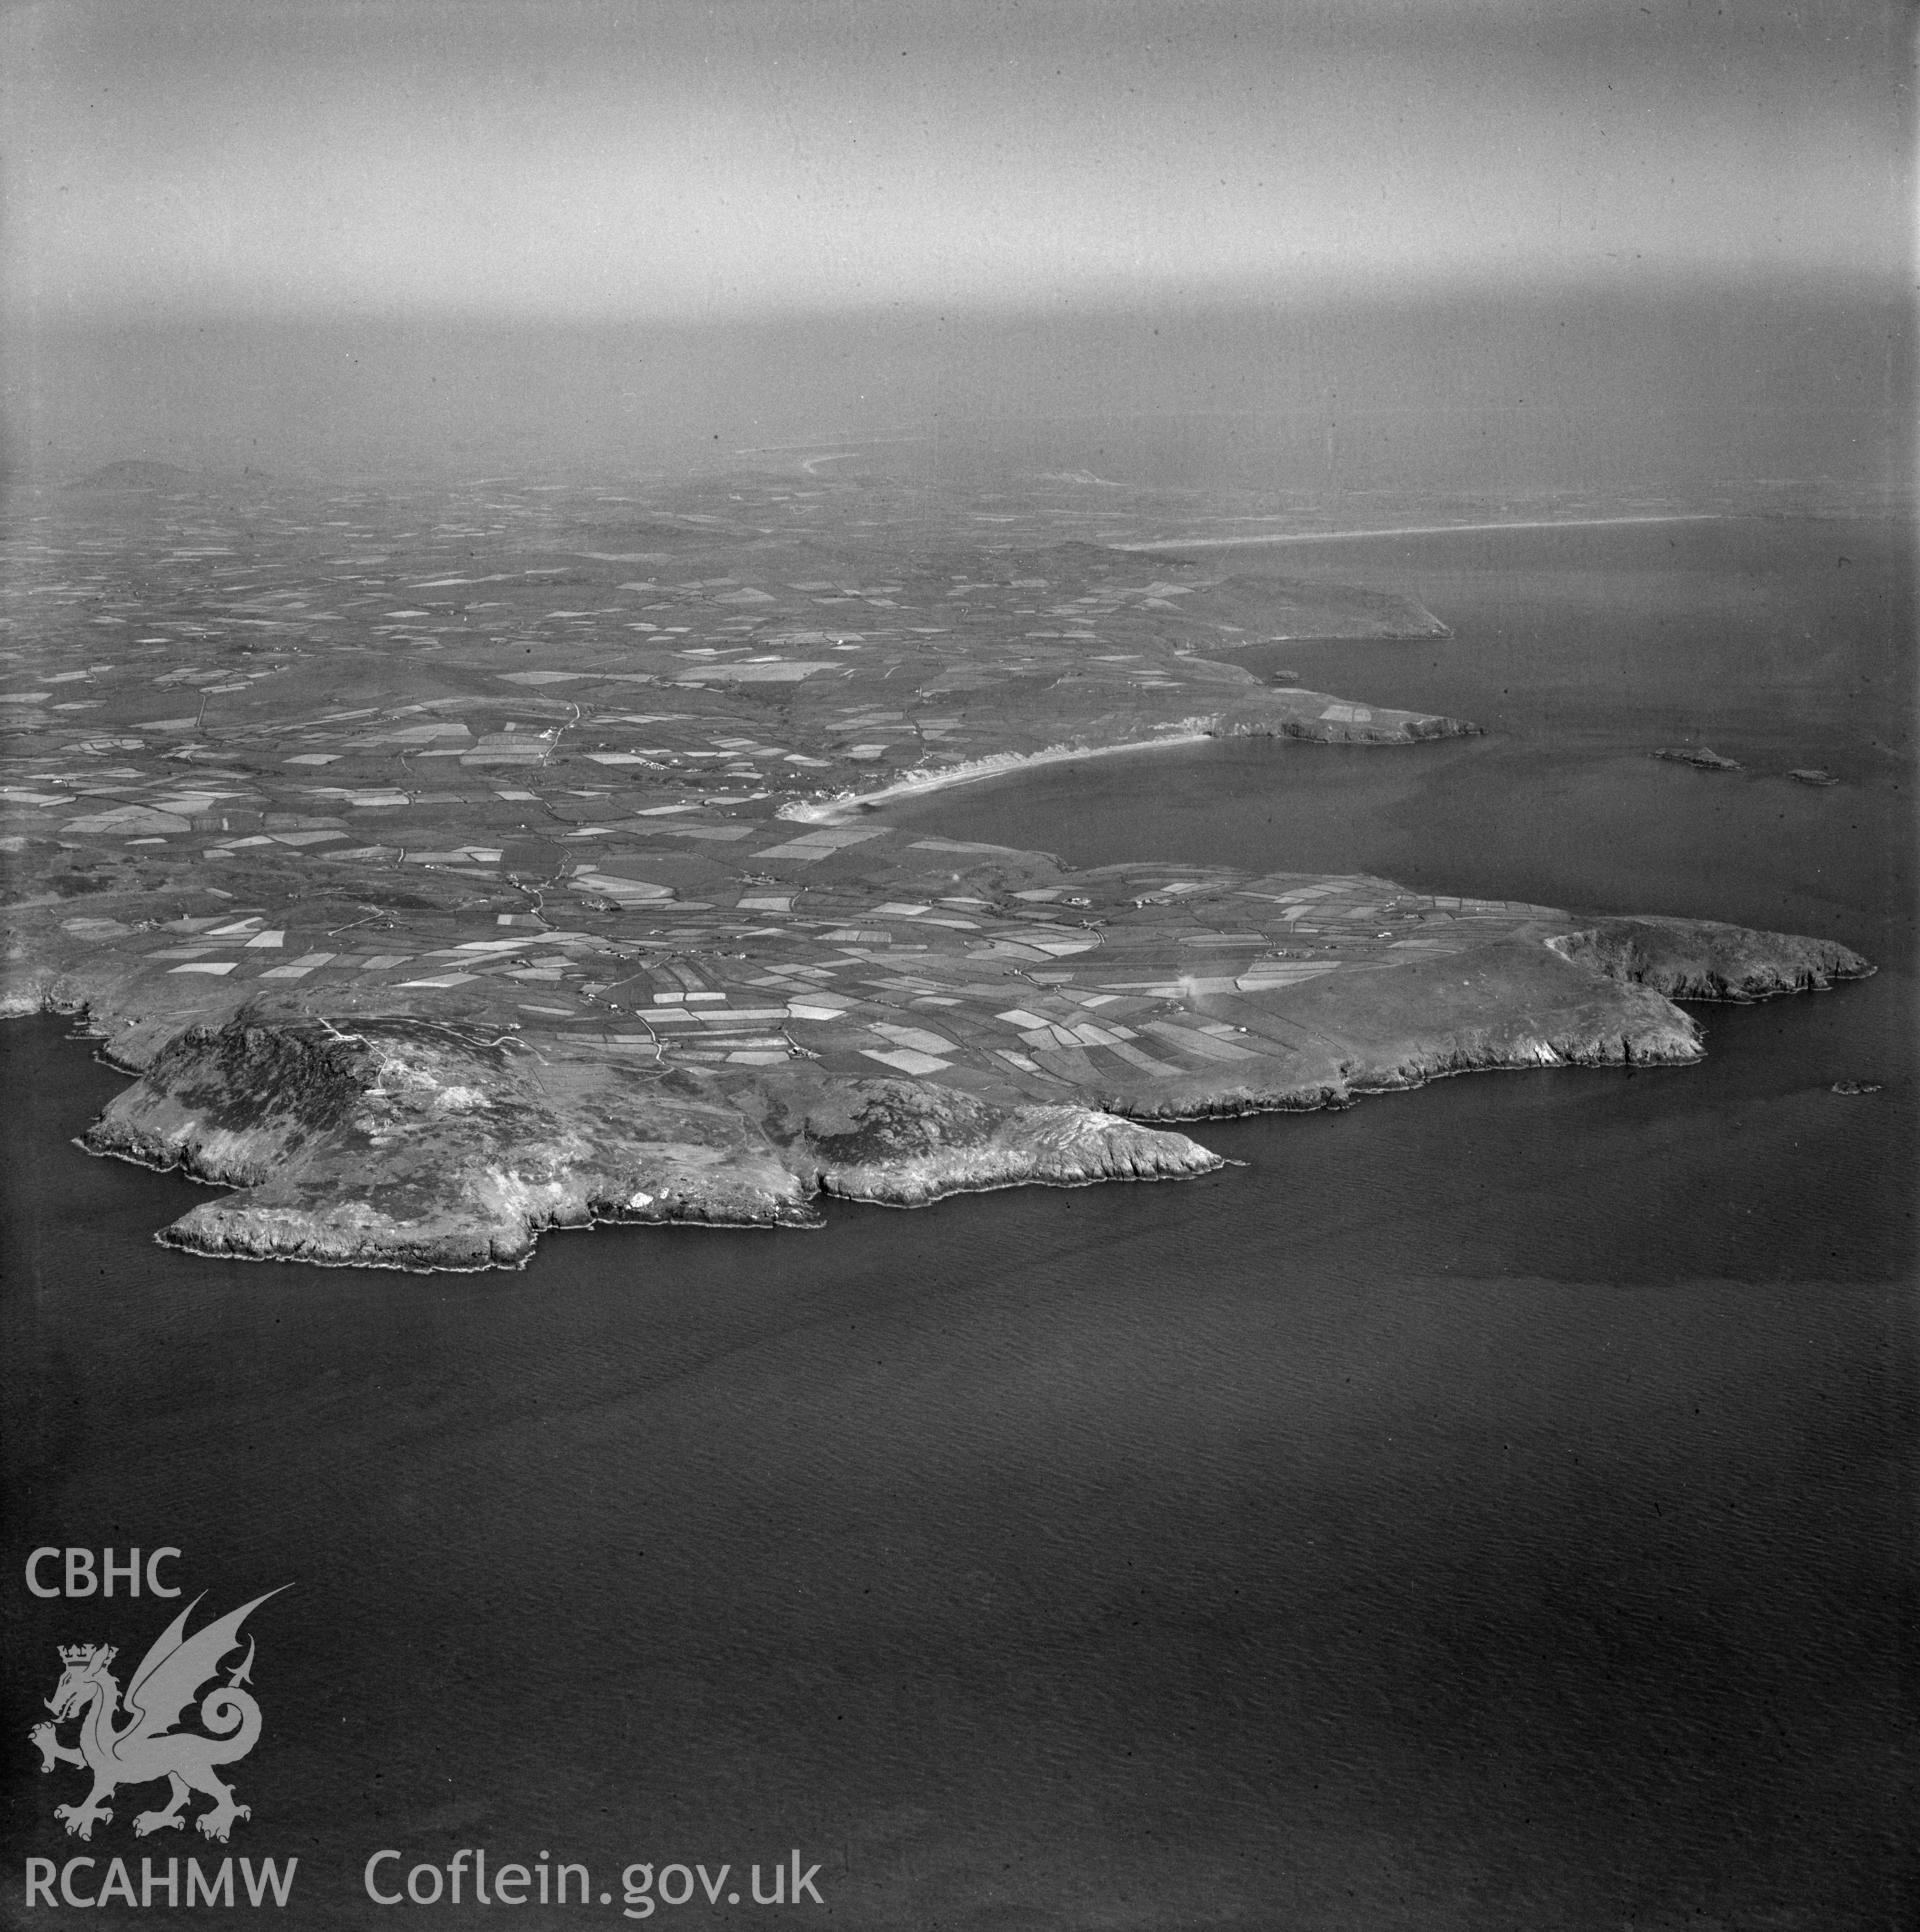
(1323, 724)
(384, 1149)
(838, 809)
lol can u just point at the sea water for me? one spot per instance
(1485, 1506)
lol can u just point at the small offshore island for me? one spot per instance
(453, 867)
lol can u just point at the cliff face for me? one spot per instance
(904, 1145)
(399, 1143)
(1512, 1006)
(410, 1147)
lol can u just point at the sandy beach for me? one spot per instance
(836, 811)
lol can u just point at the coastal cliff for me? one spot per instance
(390, 1142)
(401, 1147)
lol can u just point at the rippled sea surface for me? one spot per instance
(1491, 1506)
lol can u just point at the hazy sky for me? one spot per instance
(546, 158)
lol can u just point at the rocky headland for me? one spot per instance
(383, 1141)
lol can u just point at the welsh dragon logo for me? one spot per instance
(146, 1746)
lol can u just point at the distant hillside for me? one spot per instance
(136, 475)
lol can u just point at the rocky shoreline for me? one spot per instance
(390, 1151)
(400, 1144)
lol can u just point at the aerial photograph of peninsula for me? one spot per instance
(634, 637)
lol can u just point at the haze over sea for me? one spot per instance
(1484, 1506)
